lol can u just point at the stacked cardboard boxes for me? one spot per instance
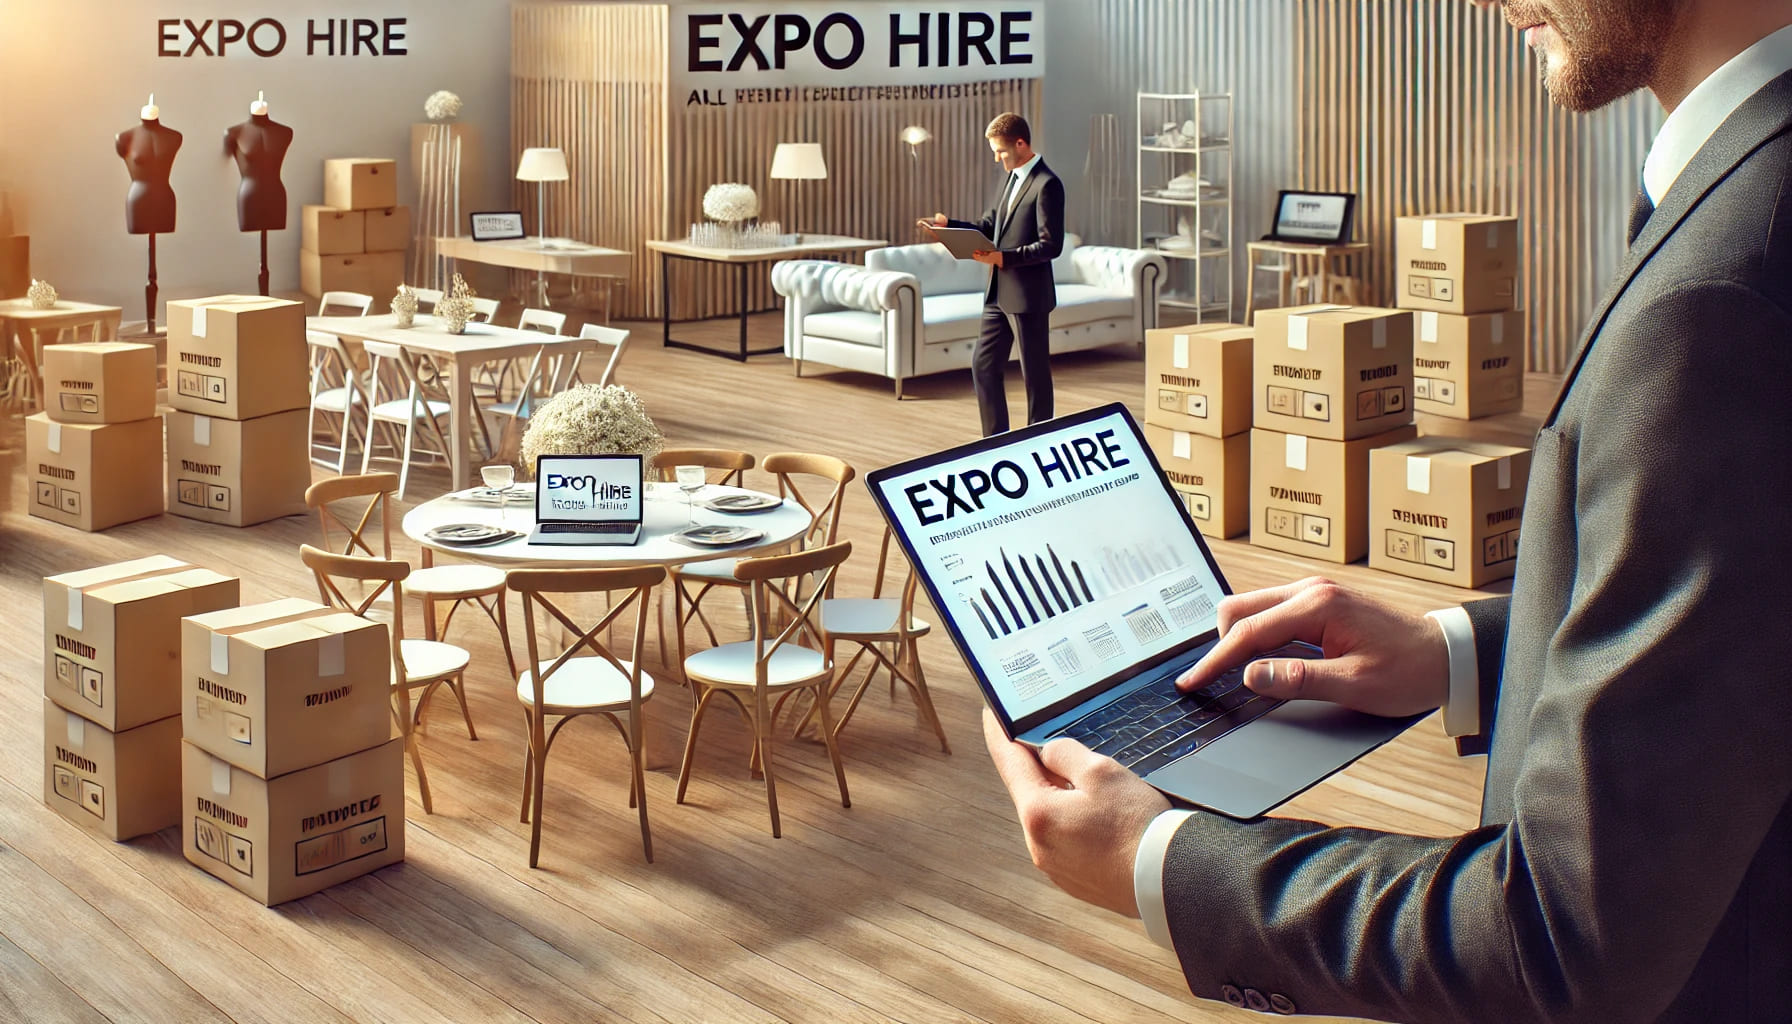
(112, 690)
(357, 239)
(1459, 272)
(1198, 420)
(94, 453)
(291, 777)
(1447, 510)
(237, 450)
(1330, 383)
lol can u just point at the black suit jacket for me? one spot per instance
(1634, 861)
(1031, 237)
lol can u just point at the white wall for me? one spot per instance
(74, 73)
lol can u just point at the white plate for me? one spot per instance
(742, 503)
(520, 494)
(717, 536)
(469, 534)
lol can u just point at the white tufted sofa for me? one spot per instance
(912, 310)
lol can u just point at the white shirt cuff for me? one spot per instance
(1148, 875)
(1462, 708)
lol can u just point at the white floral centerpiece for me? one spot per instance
(441, 105)
(591, 420)
(456, 308)
(730, 202)
(404, 305)
(41, 295)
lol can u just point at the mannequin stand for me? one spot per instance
(262, 280)
(149, 290)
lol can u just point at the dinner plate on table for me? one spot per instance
(469, 535)
(717, 536)
(742, 503)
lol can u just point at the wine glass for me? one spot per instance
(691, 480)
(500, 478)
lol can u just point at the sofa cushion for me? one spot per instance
(951, 317)
(939, 272)
(1063, 271)
(1081, 303)
(854, 325)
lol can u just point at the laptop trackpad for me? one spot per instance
(1272, 759)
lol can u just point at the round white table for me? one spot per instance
(664, 514)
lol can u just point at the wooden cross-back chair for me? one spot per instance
(752, 672)
(599, 683)
(795, 472)
(415, 663)
(348, 508)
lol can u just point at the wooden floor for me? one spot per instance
(916, 904)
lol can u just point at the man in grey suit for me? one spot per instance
(1027, 225)
(1634, 860)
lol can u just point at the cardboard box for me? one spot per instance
(329, 232)
(388, 230)
(1310, 496)
(237, 472)
(1198, 379)
(93, 476)
(121, 784)
(1467, 367)
(282, 838)
(360, 184)
(1212, 474)
(273, 688)
(15, 265)
(237, 356)
(100, 382)
(1447, 510)
(1456, 263)
(112, 636)
(371, 273)
(1335, 372)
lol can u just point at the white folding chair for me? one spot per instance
(485, 311)
(355, 303)
(551, 371)
(488, 378)
(403, 399)
(336, 390)
(427, 299)
(616, 339)
(544, 320)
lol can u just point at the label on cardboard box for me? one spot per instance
(1334, 372)
(1447, 510)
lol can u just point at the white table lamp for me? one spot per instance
(798, 161)
(541, 164)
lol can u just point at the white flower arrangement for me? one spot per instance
(404, 305)
(442, 105)
(456, 308)
(41, 295)
(589, 420)
(730, 201)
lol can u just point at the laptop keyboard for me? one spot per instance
(597, 528)
(1154, 725)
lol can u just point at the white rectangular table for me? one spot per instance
(457, 355)
(557, 256)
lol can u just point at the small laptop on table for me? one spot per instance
(1314, 218)
(587, 499)
(1077, 589)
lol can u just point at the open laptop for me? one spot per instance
(1314, 218)
(1077, 589)
(587, 499)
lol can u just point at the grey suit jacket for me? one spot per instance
(1031, 237)
(1634, 861)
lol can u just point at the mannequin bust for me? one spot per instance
(259, 146)
(148, 151)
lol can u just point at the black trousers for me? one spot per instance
(989, 363)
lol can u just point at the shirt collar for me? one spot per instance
(1709, 104)
(1021, 172)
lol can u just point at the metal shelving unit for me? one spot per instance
(1190, 225)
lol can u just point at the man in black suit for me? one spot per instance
(1027, 225)
(1634, 859)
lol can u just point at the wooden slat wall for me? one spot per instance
(593, 78)
(1434, 107)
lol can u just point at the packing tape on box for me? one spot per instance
(1297, 333)
(1493, 235)
(55, 441)
(221, 653)
(1418, 474)
(1179, 352)
(1428, 326)
(202, 431)
(198, 321)
(1503, 470)
(1181, 444)
(220, 776)
(1294, 454)
(76, 594)
(77, 606)
(340, 776)
(332, 655)
(1428, 234)
(1379, 338)
(1499, 329)
(77, 732)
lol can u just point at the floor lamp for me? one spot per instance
(541, 165)
(798, 161)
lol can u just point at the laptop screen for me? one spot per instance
(1318, 217)
(1058, 556)
(588, 489)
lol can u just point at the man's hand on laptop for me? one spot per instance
(1083, 814)
(1378, 659)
